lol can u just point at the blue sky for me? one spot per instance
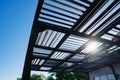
(16, 17)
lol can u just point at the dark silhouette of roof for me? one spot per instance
(62, 31)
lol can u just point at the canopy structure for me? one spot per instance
(83, 34)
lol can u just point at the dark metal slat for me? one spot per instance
(57, 17)
(59, 13)
(62, 9)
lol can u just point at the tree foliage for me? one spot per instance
(60, 75)
(51, 76)
(35, 77)
(19, 79)
(68, 76)
(80, 76)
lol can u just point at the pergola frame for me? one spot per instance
(39, 26)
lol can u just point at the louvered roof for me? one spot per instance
(63, 30)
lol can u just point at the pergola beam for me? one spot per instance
(67, 30)
(40, 26)
(52, 49)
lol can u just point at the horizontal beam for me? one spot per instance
(34, 68)
(38, 57)
(52, 27)
(95, 62)
(53, 71)
(96, 38)
(82, 69)
(59, 50)
(67, 30)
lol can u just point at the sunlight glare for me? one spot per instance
(91, 46)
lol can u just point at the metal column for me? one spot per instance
(113, 70)
(33, 37)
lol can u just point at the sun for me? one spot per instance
(92, 47)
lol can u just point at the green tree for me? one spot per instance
(67, 75)
(80, 76)
(36, 77)
(51, 76)
(19, 79)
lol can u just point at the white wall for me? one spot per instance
(100, 73)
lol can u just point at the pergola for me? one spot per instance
(84, 34)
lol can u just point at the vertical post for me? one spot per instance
(27, 64)
(32, 39)
(88, 75)
(114, 73)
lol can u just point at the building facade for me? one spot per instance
(106, 73)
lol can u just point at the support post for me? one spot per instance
(114, 73)
(33, 37)
(88, 75)
(27, 64)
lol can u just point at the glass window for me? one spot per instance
(111, 77)
(97, 78)
(103, 77)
